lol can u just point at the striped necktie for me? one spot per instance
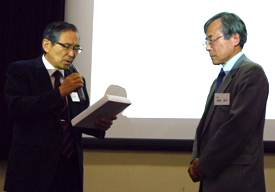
(67, 146)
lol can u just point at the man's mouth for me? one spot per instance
(68, 62)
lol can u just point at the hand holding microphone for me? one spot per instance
(71, 83)
(80, 89)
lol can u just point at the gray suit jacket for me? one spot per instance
(229, 138)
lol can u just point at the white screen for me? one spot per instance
(153, 49)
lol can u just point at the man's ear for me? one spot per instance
(46, 44)
(236, 39)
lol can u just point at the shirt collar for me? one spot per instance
(50, 67)
(229, 65)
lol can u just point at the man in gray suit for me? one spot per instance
(228, 152)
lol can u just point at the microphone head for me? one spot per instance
(71, 66)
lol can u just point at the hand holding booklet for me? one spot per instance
(105, 107)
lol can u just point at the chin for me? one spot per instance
(66, 66)
(216, 62)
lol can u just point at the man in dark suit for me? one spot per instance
(46, 153)
(228, 152)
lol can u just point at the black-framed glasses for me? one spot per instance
(210, 42)
(77, 49)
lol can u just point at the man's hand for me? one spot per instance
(195, 171)
(71, 83)
(105, 123)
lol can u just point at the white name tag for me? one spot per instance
(222, 99)
(75, 97)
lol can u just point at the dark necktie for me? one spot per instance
(219, 79)
(67, 147)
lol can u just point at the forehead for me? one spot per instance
(214, 29)
(70, 37)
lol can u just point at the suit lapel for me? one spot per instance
(210, 107)
(210, 102)
(232, 73)
(42, 76)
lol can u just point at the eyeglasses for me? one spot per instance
(77, 49)
(210, 42)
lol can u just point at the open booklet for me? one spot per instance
(105, 107)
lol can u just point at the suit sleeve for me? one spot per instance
(195, 149)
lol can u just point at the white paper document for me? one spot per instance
(105, 107)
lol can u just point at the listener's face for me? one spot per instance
(59, 56)
(220, 50)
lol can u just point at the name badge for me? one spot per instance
(222, 99)
(75, 97)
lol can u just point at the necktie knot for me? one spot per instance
(220, 79)
(57, 75)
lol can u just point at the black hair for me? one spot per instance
(53, 30)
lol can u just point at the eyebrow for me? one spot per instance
(209, 36)
(72, 44)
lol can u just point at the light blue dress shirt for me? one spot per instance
(229, 65)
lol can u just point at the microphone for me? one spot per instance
(80, 91)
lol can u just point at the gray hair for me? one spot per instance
(231, 24)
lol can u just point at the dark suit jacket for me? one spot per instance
(229, 138)
(37, 133)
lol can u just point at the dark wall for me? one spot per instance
(22, 25)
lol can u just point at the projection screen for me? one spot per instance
(151, 51)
